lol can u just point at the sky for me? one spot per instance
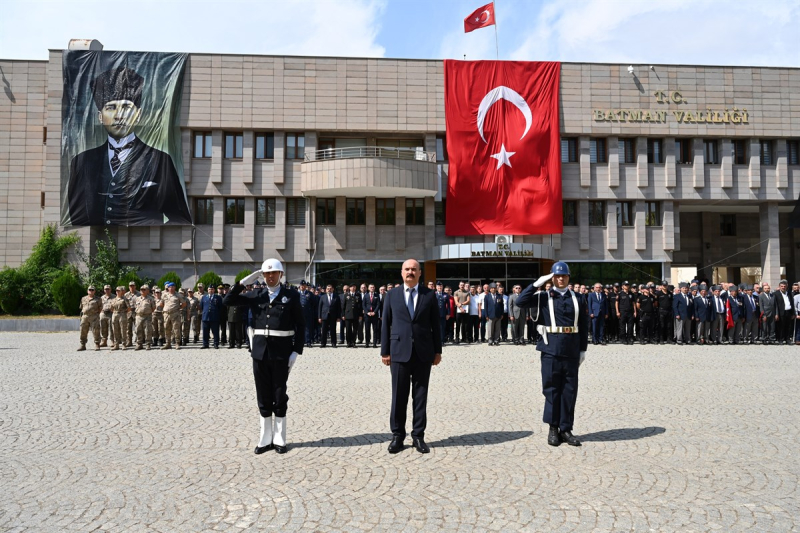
(702, 32)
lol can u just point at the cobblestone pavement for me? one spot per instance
(695, 439)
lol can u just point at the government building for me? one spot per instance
(339, 168)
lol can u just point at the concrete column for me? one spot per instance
(279, 155)
(676, 217)
(400, 223)
(430, 222)
(640, 226)
(556, 241)
(249, 230)
(583, 224)
(642, 174)
(122, 237)
(341, 223)
(667, 226)
(216, 156)
(248, 156)
(279, 235)
(755, 164)
(187, 151)
(670, 167)
(155, 237)
(370, 228)
(611, 225)
(699, 166)
(781, 165)
(218, 228)
(612, 146)
(584, 158)
(726, 163)
(770, 242)
(186, 237)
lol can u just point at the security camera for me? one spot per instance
(630, 69)
(652, 67)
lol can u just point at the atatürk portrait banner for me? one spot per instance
(121, 161)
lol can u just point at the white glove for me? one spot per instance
(292, 359)
(544, 279)
(582, 359)
(249, 280)
(543, 332)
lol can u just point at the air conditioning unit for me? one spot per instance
(503, 239)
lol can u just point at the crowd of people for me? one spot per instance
(692, 313)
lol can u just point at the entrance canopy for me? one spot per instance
(490, 251)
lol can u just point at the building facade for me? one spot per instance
(338, 167)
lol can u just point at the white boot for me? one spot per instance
(279, 434)
(265, 443)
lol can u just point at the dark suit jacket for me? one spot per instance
(493, 305)
(352, 306)
(401, 334)
(750, 310)
(211, 306)
(598, 309)
(333, 308)
(679, 307)
(780, 305)
(372, 305)
(703, 313)
(144, 190)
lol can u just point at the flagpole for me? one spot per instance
(496, 42)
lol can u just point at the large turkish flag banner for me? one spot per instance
(504, 145)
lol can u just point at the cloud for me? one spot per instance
(709, 32)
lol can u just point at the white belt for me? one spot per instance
(273, 333)
(559, 329)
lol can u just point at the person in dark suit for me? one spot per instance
(329, 312)
(751, 311)
(411, 343)
(372, 315)
(598, 312)
(353, 315)
(443, 301)
(683, 309)
(211, 309)
(278, 336)
(737, 314)
(310, 304)
(124, 181)
(784, 314)
(702, 314)
(493, 310)
(342, 323)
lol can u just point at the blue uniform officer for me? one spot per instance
(562, 322)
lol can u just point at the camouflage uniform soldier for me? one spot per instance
(158, 320)
(91, 307)
(194, 317)
(185, 318)
(106, 327)
(173, 303)
(131, 296)
(120, 308)
(145, 305)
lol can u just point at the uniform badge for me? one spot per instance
(284, 299)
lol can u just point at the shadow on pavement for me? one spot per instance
(364, 439)
(611, 435)
(481, 439)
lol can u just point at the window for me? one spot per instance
(265, 146)
(202, 144)
(296, 211)
(326, 211)
(233, 146)
(625, 213)
(265, 212)
(441, 149)
(234, 210)
(203, 211)
(570, 208)
(415, 212)
(767, 158)
(740, 152)
(569, 150)
(711, 152)
(356, 211)
(652, 216)
(295, 146)
(793, 152)
(384, 211)
(597, 151)
(683, 151)
(727, 225)
(597, 213)
(440, 212)
(627, 150)
(655, 151)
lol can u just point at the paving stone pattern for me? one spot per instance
(698, 439)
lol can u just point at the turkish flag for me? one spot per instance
(480, 18)
(503, 140)
(728, 315)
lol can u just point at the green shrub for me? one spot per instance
(209, 279)
(241, 275)
(104, 267)
(127, 278)
(67, 292)
(11, 287)
(170, 276)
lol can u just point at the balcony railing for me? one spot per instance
(371, 151)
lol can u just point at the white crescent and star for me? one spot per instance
(492, 97)
(479, 18)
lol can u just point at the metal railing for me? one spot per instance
(412, 154)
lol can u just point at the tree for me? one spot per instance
(170, 276)
(67, 292)
(209, 279)
(126, 278)
(104, 267)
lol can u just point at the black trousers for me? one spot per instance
(666, 325)
(223, 326)
(351, 325)
(626, 320)
(560, 389)
(504, 327)
(329, 328)
(234, 334)
(372, 329)
(270, 376)
(213, 328)
(474, 331)
(413, 377)
(645, 327)
(518, 329)
(784, 329)
(462, 325)
(361, 326)
(342, 329)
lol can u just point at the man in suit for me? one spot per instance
(751, 311)
(342, 323)
(784, 313)
(124, 182)
(766, 302)
(516, 315)
(410, 343)
(718, 325)
(360, 330)
(443, 301)
(329, 311)
(309, 303)
(211, 310)
(598, 312)
(353, 314)
(683, 309)
(493, 309)
(737, 313)
(372, 315)
(702, 315)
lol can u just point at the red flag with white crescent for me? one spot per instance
(480, 18)
(503, 142)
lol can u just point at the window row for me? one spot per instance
(626, 212)
(264, 145)
(356, 212)
(265, 211)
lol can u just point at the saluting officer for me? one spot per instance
(277, 339)
(563, 323)
(91, 307)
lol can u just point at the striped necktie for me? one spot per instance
(115, 160)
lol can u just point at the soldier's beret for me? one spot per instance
(683, 284)
(439, 283)
(107, 287)
(169, 284)
(132, 284)
(120, 288)
(220, 287)
(145, 286)
(90, 287)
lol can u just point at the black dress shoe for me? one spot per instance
(569, 438)
(261, 449)
(281, 449)
(552, 437)
(396, 445)
(420, 446)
